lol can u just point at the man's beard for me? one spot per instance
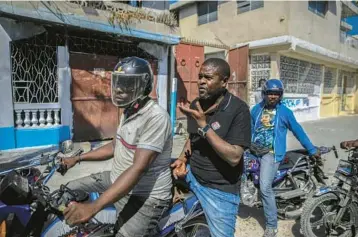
(210, 99)
(269, 105)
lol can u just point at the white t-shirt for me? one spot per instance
(149, 128)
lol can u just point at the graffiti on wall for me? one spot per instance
(304, 108)
(295, 103)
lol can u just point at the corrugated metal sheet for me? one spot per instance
(65, 13)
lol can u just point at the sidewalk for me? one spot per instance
(324, 132)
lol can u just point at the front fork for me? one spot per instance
(343, 203)
(345, 199)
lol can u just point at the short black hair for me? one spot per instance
(223, 68)
(262, 82)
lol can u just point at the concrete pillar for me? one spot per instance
(64, 88)
(162, 83)
(275, 65)
(7, 130)
(161, 53)
(321, 92)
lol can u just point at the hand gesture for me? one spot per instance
(199, 115)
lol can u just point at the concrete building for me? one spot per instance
(304, 43)
(56, 64)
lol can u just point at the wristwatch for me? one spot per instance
(202, 131)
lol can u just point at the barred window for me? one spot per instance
(260, 70)
(34, 73)
(330, 76)
(300, 77)
(207, 12)
(245, 6)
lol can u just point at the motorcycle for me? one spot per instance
(297, 177)
(30, 209)
(333, 210)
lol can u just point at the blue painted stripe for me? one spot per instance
(85, 22)
(7, 138)
(41, 136)
(173, 104)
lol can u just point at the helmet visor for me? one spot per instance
(126, 88)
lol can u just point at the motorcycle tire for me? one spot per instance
(195, 223)
(312, 203)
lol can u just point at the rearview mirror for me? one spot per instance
(66, 146)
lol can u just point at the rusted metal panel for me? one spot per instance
(94, 115)
(238, 61)
(188, 61)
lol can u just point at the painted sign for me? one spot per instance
(304, 108)
(296, 103)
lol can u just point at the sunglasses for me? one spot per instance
(279, 93)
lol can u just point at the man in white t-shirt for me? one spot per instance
(139, 183)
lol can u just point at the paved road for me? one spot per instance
(325, 132)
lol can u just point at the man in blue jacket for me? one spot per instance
(270, 120)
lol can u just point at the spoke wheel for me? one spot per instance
(318, 216)
(196, 227)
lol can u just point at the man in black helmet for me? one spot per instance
(139, 183)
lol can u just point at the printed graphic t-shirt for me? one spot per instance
(264, 134)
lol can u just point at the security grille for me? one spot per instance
(349, 83)
(330, 77)
(260, 70)
(300, 77)
(34, 73)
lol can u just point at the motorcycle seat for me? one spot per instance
(177, 211)
(290, 160)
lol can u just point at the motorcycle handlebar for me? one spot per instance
(335, 152)
(326, 150)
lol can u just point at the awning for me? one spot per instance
(295, 44)
(84, 22)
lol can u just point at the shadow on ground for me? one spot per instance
(251, 223)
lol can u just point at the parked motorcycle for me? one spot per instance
(38, 212)
(297, 177)
(333, 210)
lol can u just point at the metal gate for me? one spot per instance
(239, 60)
(94, 115)
(188, 61)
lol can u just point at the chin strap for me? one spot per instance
(136, 106)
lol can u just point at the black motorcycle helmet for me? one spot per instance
(132, 80)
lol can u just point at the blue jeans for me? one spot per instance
(268, 170)
(220, 208)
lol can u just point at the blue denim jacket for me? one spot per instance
(285, 119)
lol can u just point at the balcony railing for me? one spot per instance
(37, 115)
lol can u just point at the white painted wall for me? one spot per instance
(10, 30)
(64, 86)
(6, 105)
(305, 108)
(161, 53)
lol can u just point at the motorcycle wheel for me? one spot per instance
(311, 227)
(197, 227)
